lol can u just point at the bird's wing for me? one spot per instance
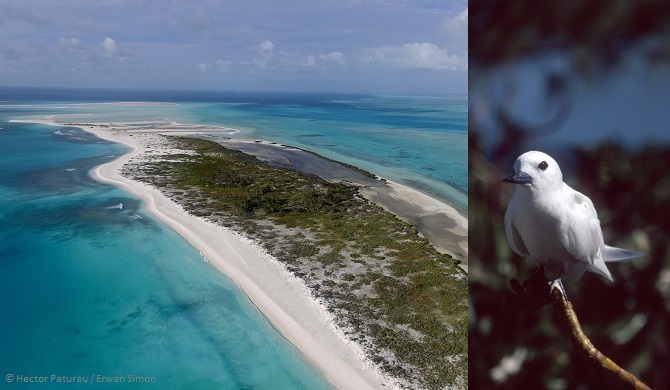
(513, 236)
(580, 228)
(580, 232)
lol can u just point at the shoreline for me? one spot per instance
(437, 221)
(427, 214)
(298, 317)
(440, 223)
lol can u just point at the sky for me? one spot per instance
(370, 46)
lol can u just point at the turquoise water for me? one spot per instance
(420, 141)
(88, 288)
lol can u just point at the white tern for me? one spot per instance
(555, 225)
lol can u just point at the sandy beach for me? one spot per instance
(283, 298)
(277, 293)
(438, 222)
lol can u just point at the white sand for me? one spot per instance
(441, 224)
(281, 297)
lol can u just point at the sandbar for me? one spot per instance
(441, 224)
(282, 298)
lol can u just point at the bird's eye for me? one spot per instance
(543, 165)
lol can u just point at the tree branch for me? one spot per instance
(583, 345)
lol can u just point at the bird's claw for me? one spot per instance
(534, 293)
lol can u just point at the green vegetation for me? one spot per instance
(386, 286)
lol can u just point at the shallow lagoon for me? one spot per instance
(91, 288)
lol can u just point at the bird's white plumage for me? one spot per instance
(555, 225)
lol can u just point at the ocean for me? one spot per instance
(419, 141)
(93, 287)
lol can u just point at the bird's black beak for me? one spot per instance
(519, 178)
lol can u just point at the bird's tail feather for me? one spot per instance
(600, 268)
(611, 253)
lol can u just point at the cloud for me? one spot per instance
(279, 41)
(266, 49)
(71, 43)
(455, 29)
(458, 22)
(223, 64)
(336, 57)
(218, 65)
(413, 56)
(268, 57)
(275, 42)
(272, 59)
(323, 62)
(110, 47)
(310, 61)
(74, 53)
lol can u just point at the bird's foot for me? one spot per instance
(557, 284)
(534, 293)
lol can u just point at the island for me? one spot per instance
(366, 277)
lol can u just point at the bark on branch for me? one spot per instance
(583, 345)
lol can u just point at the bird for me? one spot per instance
(555, 225)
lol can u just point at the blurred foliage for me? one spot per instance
(629, 321)
(597, 32)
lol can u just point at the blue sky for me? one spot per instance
(385, 46)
